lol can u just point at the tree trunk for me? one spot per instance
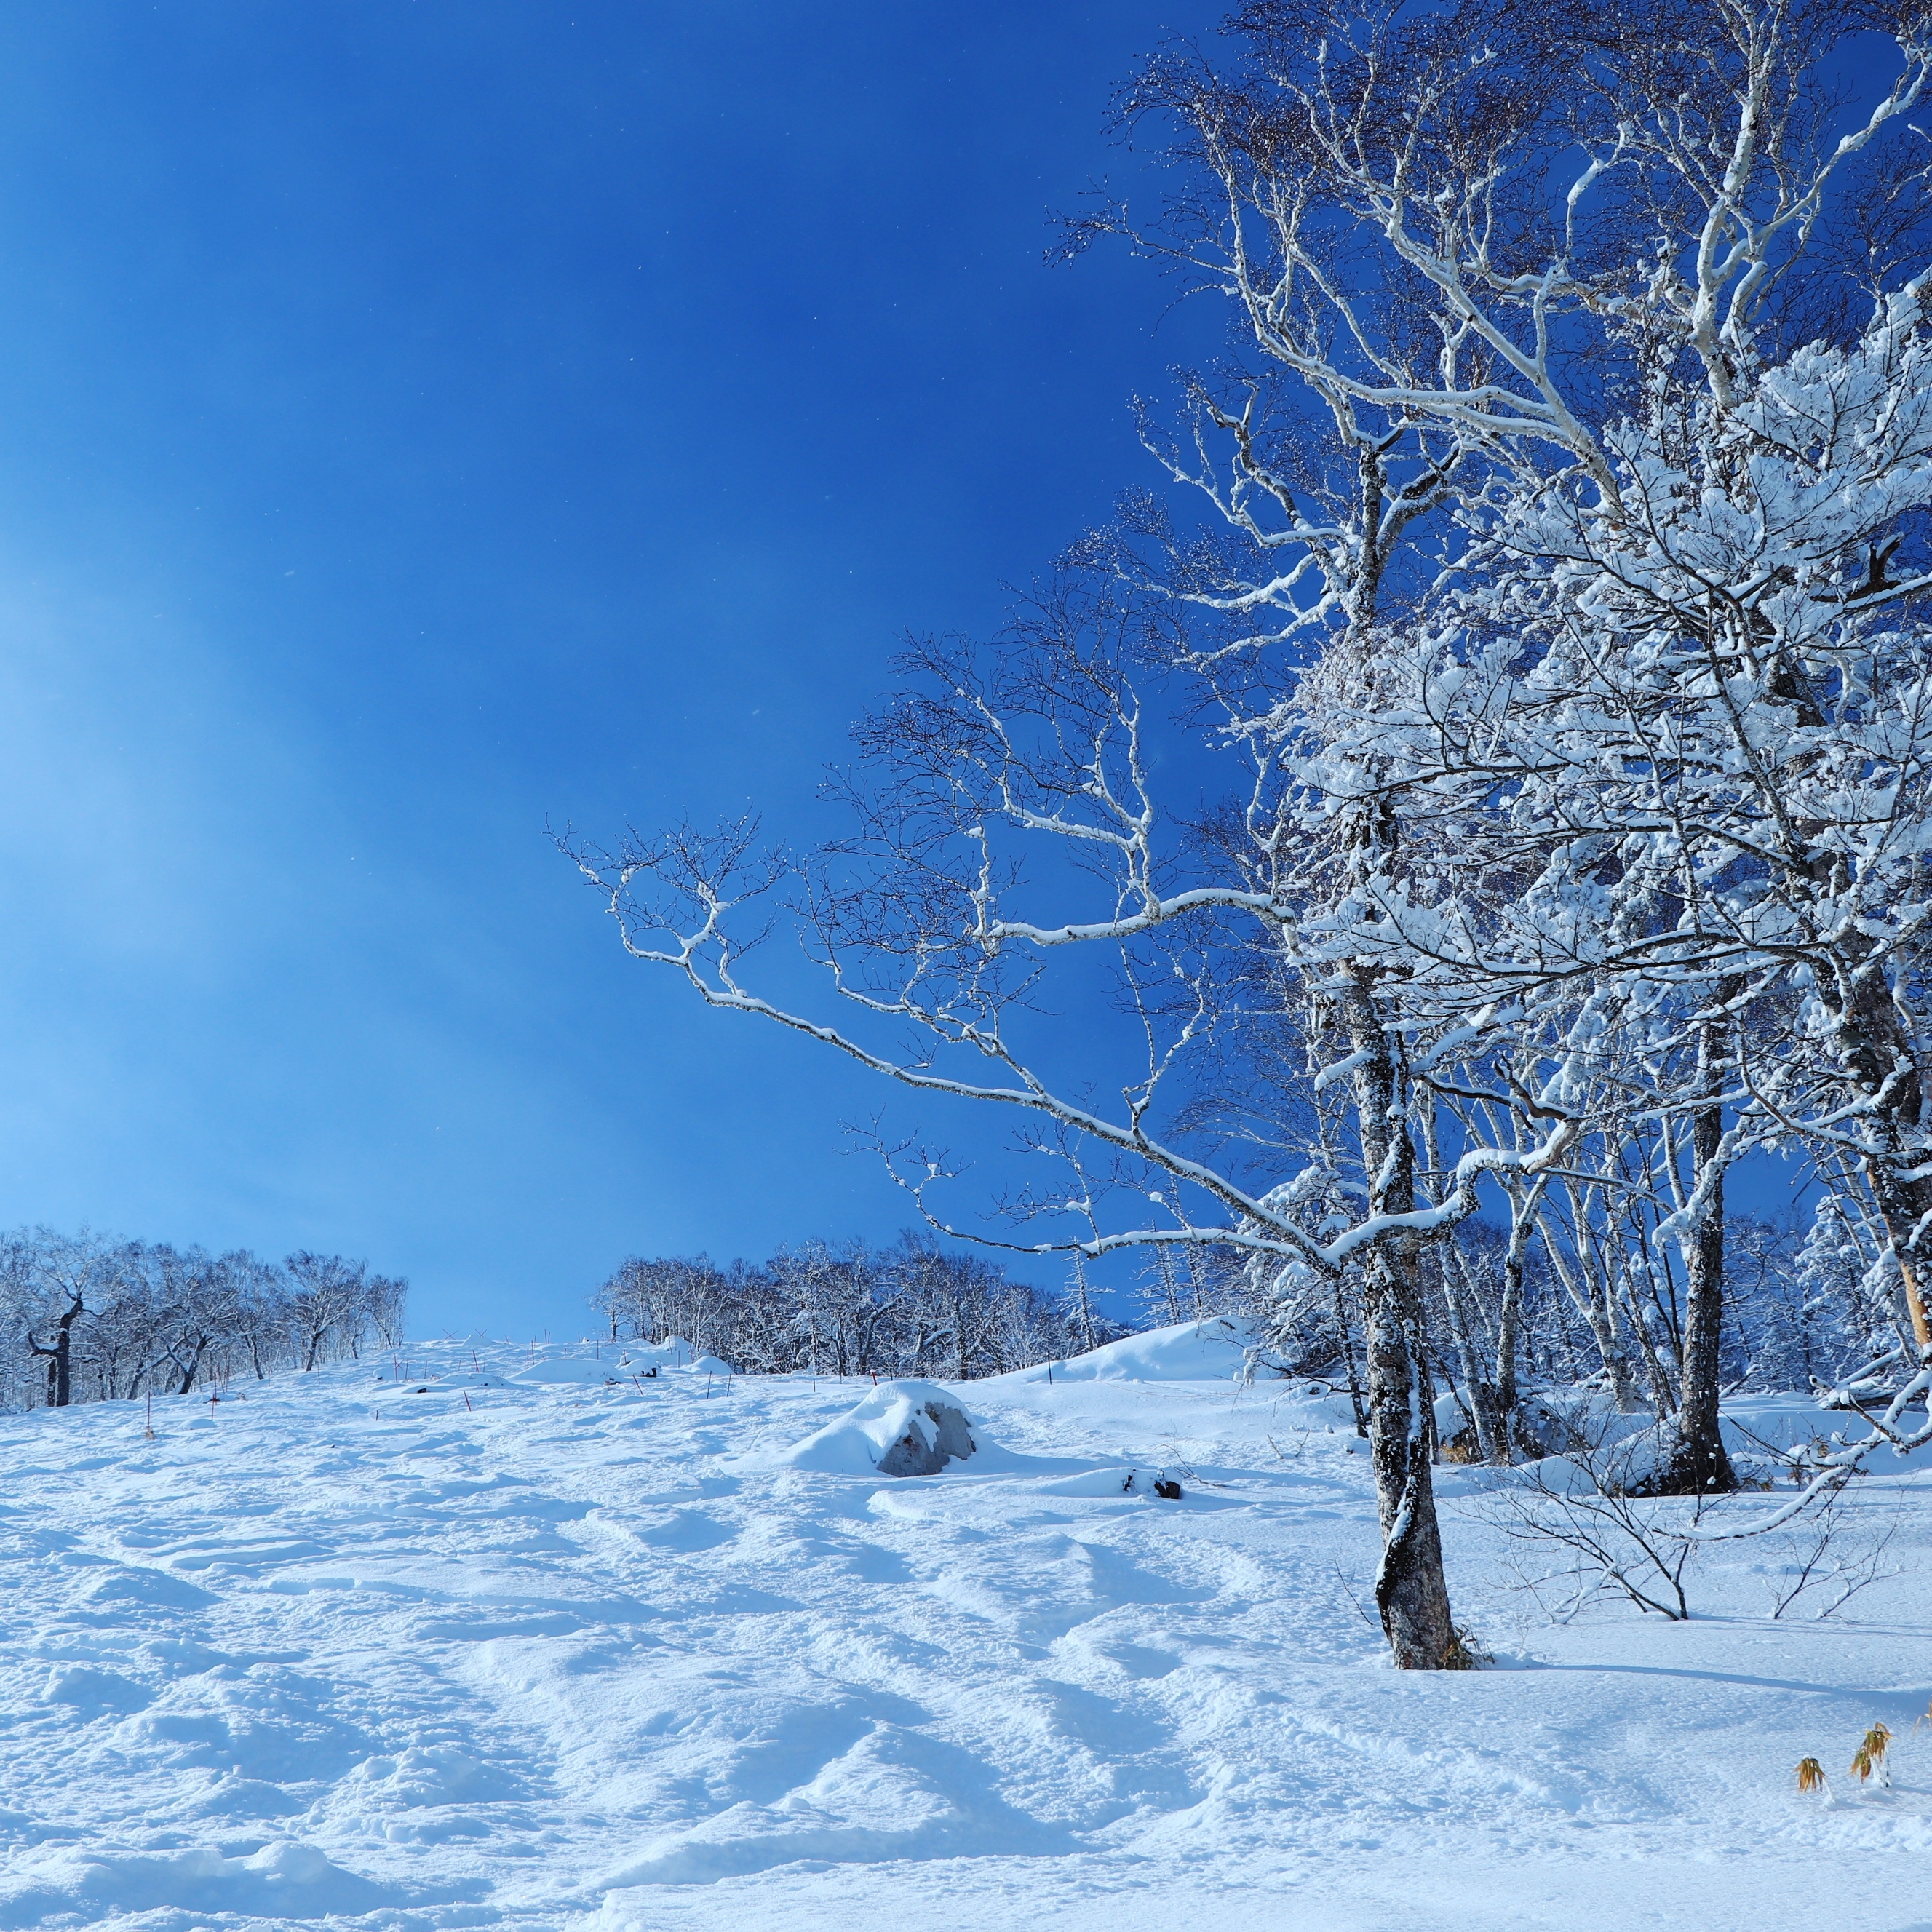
(1411, 1592)
(1662, 1397)
(192, 1366)
(1522, 1223)
(1481, 1396)
(1588, 1288)
(1694, 1462)
(1903, 1204)
(1165, 1254)
(1347, 1333)
(60, 1358)
(1600, 1312)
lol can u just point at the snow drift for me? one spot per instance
(899, 1428)
(609, 1366)
(563, 1658)
(1216, 1348)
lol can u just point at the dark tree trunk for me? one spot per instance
(1411, 1592)
(1509, 1326)
(191, 1368)
(1697, 1464)
(60, 1357)
(1694, 1462)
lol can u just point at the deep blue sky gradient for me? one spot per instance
(420, 422)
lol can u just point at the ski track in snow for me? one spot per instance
(568, 1656)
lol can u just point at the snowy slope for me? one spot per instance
(560, 1650)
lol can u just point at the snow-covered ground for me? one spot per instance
(491, 1647)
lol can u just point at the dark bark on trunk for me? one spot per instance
(1697, 1464)
(60, 1357)
(1348, 1360)
(1694, 1462)
(1411, 1592)
(191, 1368)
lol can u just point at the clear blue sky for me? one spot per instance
(418, 421)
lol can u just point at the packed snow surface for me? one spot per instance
(477, 1645)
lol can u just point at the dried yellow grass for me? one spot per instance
(1870, 1759)
(1810, 1775)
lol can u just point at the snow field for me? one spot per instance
(540, 1648)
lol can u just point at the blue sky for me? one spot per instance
(418, 422)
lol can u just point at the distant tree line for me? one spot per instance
(852, 1309)
(1800, 1308)
(86, 1318)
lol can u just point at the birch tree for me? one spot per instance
(928, 926)
(1514, 293)
(1603, 225)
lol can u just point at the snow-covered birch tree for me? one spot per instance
(1610, 228)
(1516, 482)
(1689, 681)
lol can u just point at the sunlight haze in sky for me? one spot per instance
(421, 424)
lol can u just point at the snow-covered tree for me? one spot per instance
(1546, 530)
(1606, 390)
(85, 1319)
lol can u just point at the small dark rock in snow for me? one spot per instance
(914, 1454)
(1166, 1486)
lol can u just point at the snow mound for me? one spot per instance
(900, 1428)
(569, 1371)
(650, 1358)
(1215, 1349)
(286, 1882)
(674, 1352)
(606, 1366)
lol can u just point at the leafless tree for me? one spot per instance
(1509, 261)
